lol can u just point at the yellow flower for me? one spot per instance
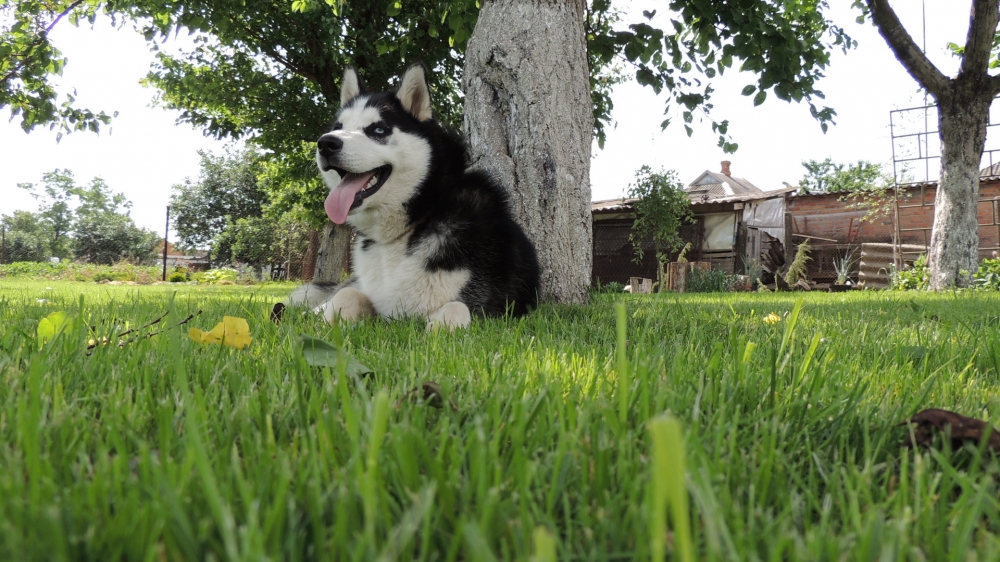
(772, 319)
(232, 331)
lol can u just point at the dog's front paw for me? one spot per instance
(452, 315)
(349, 305)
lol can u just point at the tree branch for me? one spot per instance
(26, 57)
(68, 9)
(978, 44)
(916, 63)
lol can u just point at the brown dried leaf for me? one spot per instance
(429, 393)
(956, 427)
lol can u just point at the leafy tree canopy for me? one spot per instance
(269, 69)
(55, 209)
(829, 177)
(868, 186)
(23, 238)
(103, 231)
(28, 60)
(229, 188)
(89, 223)
(661, 207)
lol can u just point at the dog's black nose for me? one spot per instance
(328, 144)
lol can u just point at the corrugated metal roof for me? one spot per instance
(619, 204)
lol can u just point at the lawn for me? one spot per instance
(535, 430)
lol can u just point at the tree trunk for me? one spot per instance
(332, 257)
(529, 121)
(962, 118)
(309, 262)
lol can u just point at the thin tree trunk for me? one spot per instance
(309, 262)
(332, 257)
(954, 252)
(529, 121)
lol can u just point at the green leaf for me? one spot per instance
(747, 90)
(759, 98)
(319, 353)
(51, 325)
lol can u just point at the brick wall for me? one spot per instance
(825, 216)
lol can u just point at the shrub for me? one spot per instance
(103, 276)
(914, 277)
(214, 276)
(67, 271)
(711, 281)
(177, 277)
(607, 288)
(988, 276)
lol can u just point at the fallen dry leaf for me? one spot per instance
(428, 392)
(232, 331)
(956, 427)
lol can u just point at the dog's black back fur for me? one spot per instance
(472, 214)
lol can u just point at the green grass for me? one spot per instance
(166, 449)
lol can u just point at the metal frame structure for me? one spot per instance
(924, 154)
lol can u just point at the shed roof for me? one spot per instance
(716, 186)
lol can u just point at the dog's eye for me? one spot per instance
(378, 130)
(338, 126)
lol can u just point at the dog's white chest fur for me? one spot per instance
(399, 284)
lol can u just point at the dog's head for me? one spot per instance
(374, 158)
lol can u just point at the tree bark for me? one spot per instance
(954, 253)
(529, 121)
(334, 250)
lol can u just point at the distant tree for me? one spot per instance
(24, 238)
(868, 186)
(661, 207)
(55, 210)
(261, 241)
(229, 188)
(90, 223)
(103, 231)
(248, 240)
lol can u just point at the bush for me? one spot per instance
(713, 281)
(915, 277)
(988, 276)
(83, 272)
(103, 276)
(177, 277)
(608, 288)
(215, 276)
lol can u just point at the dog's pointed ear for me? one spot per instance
(414, 94)
(351, 87)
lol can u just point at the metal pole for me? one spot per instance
(166, 241)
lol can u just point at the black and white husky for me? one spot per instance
(435, 240)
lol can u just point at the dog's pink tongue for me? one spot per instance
(339, 202)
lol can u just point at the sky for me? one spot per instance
(144, 152)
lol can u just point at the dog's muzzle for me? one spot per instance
(328, 146)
